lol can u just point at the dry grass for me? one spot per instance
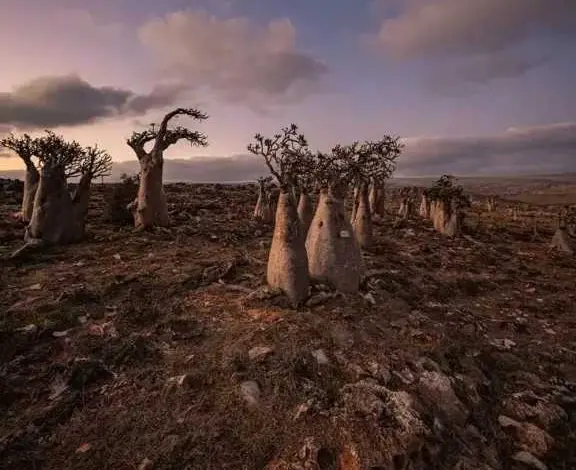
(140, 309)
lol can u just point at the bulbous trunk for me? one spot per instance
(424, 207)
(80, 201)
(355, 196)
(405, 209)
(263, 210)
(363, 221)
(287, 262)
(334, 256)
(151, 209)
(305, 212)
(562, 242)
(440, 216)
(31, 180)
(53, 219)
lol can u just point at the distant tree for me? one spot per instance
(287, 268)
(122, 195)
(150, 208)
(24, 147)
(263, 209)
(447, 201)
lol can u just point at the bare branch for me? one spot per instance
(23, 146)
(282, 154)
(55, 153)
(166, 137)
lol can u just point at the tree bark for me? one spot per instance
(355, 197)
(81, 200)
(287, 262)
(363, 220)
(424, 207)
(305, 212)
(151, 208)
(263, 211)
(334, 256)
(31, 180)
(53, 219)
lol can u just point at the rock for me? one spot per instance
(320, 357)
(528, 459)
(146, 464)
(370, 298)
(179, 380)
(320, 298)
(527, 436)
(379, 372)
(29, 329)
(436, 390)
(250, 391)
(259, 352)
(544, 413)
(342, 337)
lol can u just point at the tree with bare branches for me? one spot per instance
(333, 245)
(287, 268)
(23, 146)
(447, 201)
(150, 208)
(371, 161)
(263, 209)
(58, 217)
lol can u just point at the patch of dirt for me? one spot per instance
(164, 350)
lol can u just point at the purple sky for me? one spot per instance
(474, 86)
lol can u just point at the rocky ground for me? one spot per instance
(164, 351)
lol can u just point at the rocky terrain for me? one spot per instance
(164, 350)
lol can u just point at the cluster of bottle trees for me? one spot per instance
(322, 245)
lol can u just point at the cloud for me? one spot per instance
(460, 27)
(68, 100)
(482, 34)
(539, 149)
(235, 58)
(457, 77)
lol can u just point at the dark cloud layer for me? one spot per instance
(68, 100)
(537, 150)
(531, 150)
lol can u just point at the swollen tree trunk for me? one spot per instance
(363, 220)
(424, 207)
(377, 200)
(287, 262)
(334, 256)
(31, 180)
(80, 202)
(562, 242)
(440, 216)
(52, 219)
(355, 197)
(405, 208)
(305, 212)
(150, 208)
(263, 211)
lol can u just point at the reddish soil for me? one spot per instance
(130, 350)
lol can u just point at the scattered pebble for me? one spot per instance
(250, 391)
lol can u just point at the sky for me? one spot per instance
(470, 86)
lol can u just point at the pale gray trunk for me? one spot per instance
(334, 256)
(424, 207)
(53, 219)
(287, 262)
(81, 200)
(151, 208)
(31, 180)
(355, 196)
(305, 212)
(562, 242)
(363, 220)
(263, 210)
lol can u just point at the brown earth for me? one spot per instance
(131, 350)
